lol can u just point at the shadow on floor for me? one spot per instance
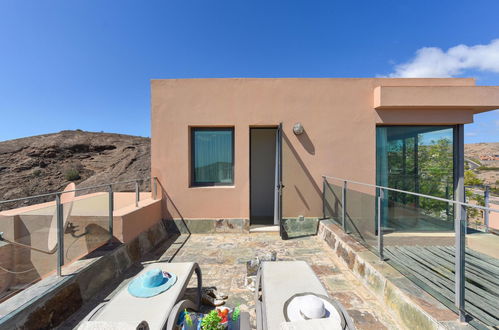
(164, 252)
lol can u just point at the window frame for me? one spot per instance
(455, 157)
(193, 182)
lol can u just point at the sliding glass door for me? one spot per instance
(417, 159)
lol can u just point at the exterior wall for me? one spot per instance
(129, 222)
(339, 120)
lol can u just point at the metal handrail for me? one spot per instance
(413, 193)
(459, 225)
(59, 213)
(75, 190)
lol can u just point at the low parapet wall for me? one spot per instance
(52, 300)
(130, 221)
(87, 230)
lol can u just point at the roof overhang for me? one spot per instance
(475, 98)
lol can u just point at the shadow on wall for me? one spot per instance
(306, 199)
(306, 142)
(17, 269)
(360, 212)
(302, 198)
(171, 212)
(332, 203)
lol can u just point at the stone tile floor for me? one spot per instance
(222, 258)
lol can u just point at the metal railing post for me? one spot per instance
(447, 211)
(155, 188)
(111, 212)
(380, 227)
(460, 261)
(343, 205)
(459, 221)
(324, 198)
(60, 233)
(137, 193)
(486, 213)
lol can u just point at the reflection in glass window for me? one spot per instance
(212, 156)
(417, 159)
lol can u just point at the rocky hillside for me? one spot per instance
(488, 169)
(47, 163)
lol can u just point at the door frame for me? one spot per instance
(252, 127)
(278, 184)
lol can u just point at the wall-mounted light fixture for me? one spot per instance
(298, 129)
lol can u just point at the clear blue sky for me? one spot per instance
(87, 64)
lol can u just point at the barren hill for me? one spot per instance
(488, 171)
(47, 163)
(475, 150)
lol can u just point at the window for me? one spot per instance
(212, 156)
(418, 159)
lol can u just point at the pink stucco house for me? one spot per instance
(238, 153)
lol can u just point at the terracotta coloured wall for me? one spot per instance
(339, 139)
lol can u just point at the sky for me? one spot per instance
(87, 64)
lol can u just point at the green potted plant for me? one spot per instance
(212, 321)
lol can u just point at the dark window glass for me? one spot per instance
(212, 156)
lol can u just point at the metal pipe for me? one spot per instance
(486, 212)
(111, 213)
(60, 233)
(380, 227)
(447, 211)
(459, 221)
(343, 205)
(324, 180)
(404, 168)
(68, 191)
(455, 202)
(416, 169)
(155, 188)
(137, 193)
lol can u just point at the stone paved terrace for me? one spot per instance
(223, 257)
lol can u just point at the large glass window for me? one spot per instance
(418, 159)
(212, 156)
